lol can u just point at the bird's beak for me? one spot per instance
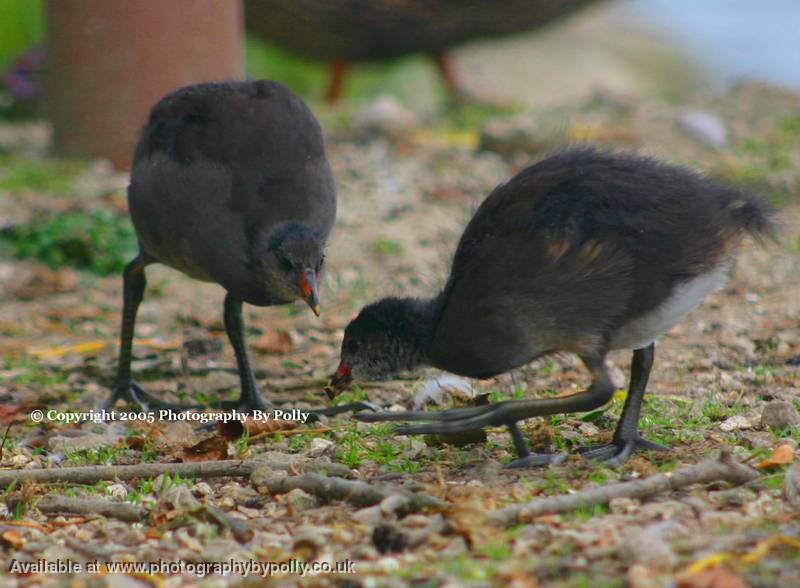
(339, 381)
(308, 287)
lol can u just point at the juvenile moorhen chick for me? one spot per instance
(583, 252)
(229, 184)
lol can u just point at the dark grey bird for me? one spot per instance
(583, 252)
(230, 184)
(366, 30)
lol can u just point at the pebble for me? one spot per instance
(511, 135)
(779, 414)
(319, 446)
(386, 116)
(735, 423)
(648, 546)
(704, 127)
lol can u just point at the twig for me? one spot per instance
(332, 488)
(203, 469)
(723, 469)
(241, 532)
(792, 485)
(5, 436)
(123, 511)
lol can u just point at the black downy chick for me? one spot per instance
(584, 252)
(230, 184)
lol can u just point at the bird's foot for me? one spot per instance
(355, 407)
(134, 394)
(536, 460)
(457, 420)
(615, 453)
(452, 414)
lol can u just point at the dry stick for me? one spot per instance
(241, 532)
(792, 485)
(356, 493)
(53, 503)
(203, 469)
(723, 469)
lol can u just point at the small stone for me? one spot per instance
(735, 423)
(117, 491)
(704, 127)
(511, 135)
(648, 546)
(301, 500)
(201, 489)
(319, 446)
(391, 504)
(779, 414)
(387, 539)
(623, 505)
(19, 461)
(369, 516)
(386, 116)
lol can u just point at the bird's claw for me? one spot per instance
(133, 393)
(537, 460)
(615, 453)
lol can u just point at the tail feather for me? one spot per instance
(753, 215)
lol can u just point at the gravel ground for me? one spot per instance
(404, 197)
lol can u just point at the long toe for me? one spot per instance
(537, 460)
(449, 415)
(354, 407)
(134, 394)
(614, 454)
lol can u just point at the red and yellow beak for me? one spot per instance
(339, 381)
(308, 288)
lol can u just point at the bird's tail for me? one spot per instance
(754, 215)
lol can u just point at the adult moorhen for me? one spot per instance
(585, 252)
(364, 30)
(229, 184)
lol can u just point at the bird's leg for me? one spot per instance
(338, 71)
(125, 388)
(250, 398)
(446, 71)
(460, 420)
(626, 437)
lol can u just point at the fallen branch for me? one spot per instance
(123, 511)
(241, 532)
(722, 469)
(203, 469)
(332, 488)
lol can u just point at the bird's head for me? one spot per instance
(292, 259)
(385, 338)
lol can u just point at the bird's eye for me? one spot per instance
(320, 264)
(352, 346)
(286, 264)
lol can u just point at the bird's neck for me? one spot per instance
(418, 325)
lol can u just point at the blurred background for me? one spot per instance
(426, 106)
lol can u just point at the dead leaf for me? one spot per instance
(783, 454)
(87, 347)
(232, 430)
(14, 412)
(715, 577)
(43, 282)
(211, 449)
(12, 538)
(274, 341)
